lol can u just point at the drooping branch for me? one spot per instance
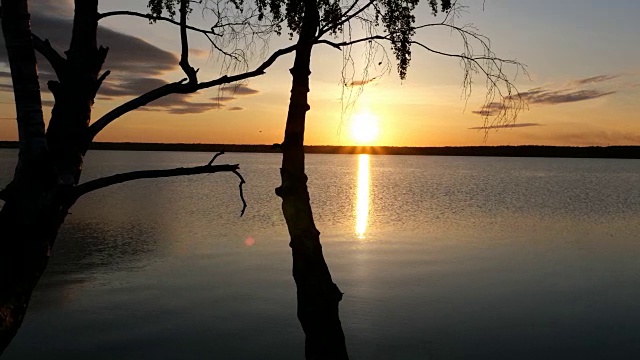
(241, 190)
(179, 87)
(502, 100)
(104, 182)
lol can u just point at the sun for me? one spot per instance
(364, 128)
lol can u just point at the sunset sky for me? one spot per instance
(582, 57)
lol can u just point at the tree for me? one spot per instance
(312, 20)
(46, 182)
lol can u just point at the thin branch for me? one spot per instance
(345, 20)
(498, 83)
(54, 58)
(104, 182)
(215, 157)
(240, 187)
(101, 79)
(179, 88)
(157, 18)
(211, 31)
(351, 42)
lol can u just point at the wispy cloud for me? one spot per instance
(506, 126)
(235, 108)
(554, 97)
(361, 82)
(136, 65)
(240, 90)
(577, 90)
(182, 104)
(223, 98)
(594, 79)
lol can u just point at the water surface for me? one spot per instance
(439, 258)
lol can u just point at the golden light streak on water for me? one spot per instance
(362, 198)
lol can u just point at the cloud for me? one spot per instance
(54, 8)
(553, 97)
(130, 87)
(240, 90)
(223, 98)
(360, 82)
(548, 96)
(595, 79)
(506, 126)
(193, 108)
(135, 63)
(489, 110)
(180, 104)
(235, 108)
(128, 54)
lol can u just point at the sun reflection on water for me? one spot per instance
(362, 198)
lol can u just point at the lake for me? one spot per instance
(438, 257)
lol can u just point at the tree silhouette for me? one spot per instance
(391, 21)
(46, 182)
(47, 179)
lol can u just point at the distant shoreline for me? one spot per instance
(611, 152)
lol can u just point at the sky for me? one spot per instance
(582, 87)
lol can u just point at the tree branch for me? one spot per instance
(215, 157)
(154, 18)
(345, 20)
(53, 57)
(351, 42)
(104, 182)
(179, 88)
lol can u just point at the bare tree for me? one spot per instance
(47, 178)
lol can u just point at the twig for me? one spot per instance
(215, 157)
(240, 187)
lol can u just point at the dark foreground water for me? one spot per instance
(439, 258)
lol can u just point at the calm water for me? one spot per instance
(439, 258)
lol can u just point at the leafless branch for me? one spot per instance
(241, 190)
(54, 58)
(502, 100)
(179, 87)
(215, 157)
(158, 18)
(104, 182)
(347, 17)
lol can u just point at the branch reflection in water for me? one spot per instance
(362, 198)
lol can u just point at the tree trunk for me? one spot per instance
(74, 94)
(318, 297)
(49, 166)
(26, 217)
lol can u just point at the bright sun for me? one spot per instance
(364, 128)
